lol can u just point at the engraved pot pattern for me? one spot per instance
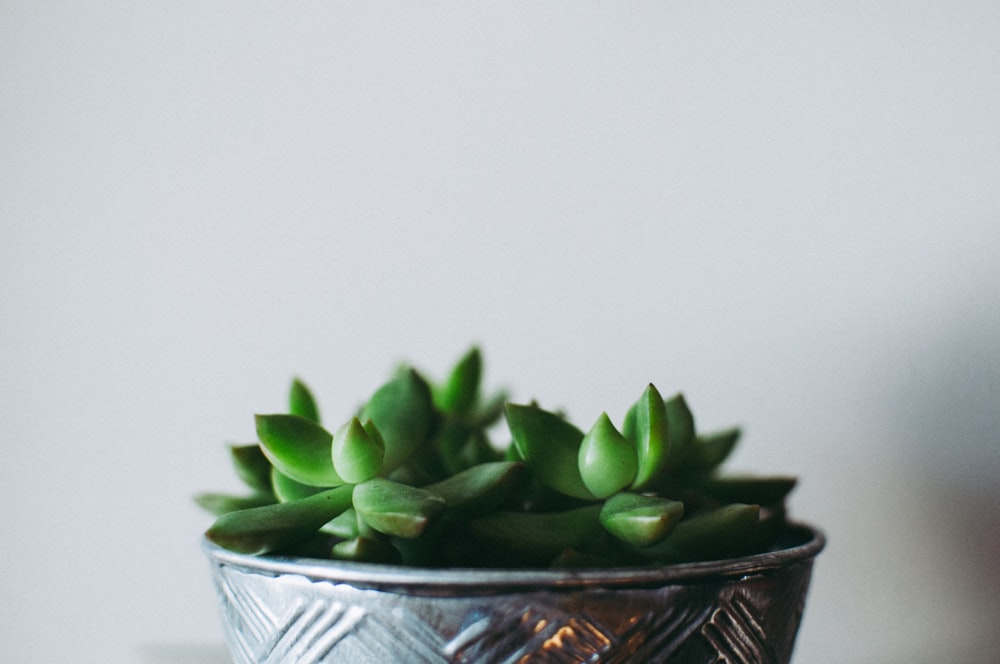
(741, 611)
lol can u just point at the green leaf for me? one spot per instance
(680, 429)
(375, 435)
(480, 489)
(477, 450)
(396, 509)
(252, 466)
(646, 427)
(537, 536)
(549, 446)
(459, 446)
(725, 532)
(459, 392)
(301, 401)
(299, 448)
(403, 412)
(746, 489)
(606, 461)
(285, 488)
(709, 451)
(220, 503)
(511, 453)
(357, 455)
(366, 550)
(344, 525)
(272, 527)
(448, 443)
(640, 520)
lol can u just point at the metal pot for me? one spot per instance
(280, 609)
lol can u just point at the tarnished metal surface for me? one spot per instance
(745, 610)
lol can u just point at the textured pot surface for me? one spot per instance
(304, 610)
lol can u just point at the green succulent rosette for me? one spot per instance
(414, 476)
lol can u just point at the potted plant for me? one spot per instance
(406, 534)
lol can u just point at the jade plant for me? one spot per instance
(414, 477)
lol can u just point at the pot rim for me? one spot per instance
(802, 542)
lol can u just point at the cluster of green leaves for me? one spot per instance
(413, 478)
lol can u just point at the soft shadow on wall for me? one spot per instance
(947, 402)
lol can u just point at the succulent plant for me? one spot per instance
(414, 478)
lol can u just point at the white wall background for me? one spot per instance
(790, 211)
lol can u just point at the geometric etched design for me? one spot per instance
(289, 618)
(274, 617)
(737, 635)
(547, 634)
(308, 633)
(543, 633)
(266, 624)
(658, 636)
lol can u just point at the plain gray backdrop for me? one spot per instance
(788, 211)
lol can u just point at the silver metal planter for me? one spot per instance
(304, 610)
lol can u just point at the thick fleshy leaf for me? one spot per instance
(220, 503)
(537, 536)
(646, 427)
(396, 509)
(344, 525)
(606, 461)
(403, 412)
(726, 532)
(640, 520)
(299, 448)
(375, 435)
(511, 453)
(448, 443)
(366, 550)
(480, 489)
(709, 451)
(746, 489)
(549, 446)
(357, 456)
(680, 430)
(285, 488)
(272, 527)
(301, 401)
(252, 466)
(459, 391)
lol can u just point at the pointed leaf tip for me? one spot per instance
(606, 460)
(460, 391)
(357, 455)
(647, 429)
(301, 401)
